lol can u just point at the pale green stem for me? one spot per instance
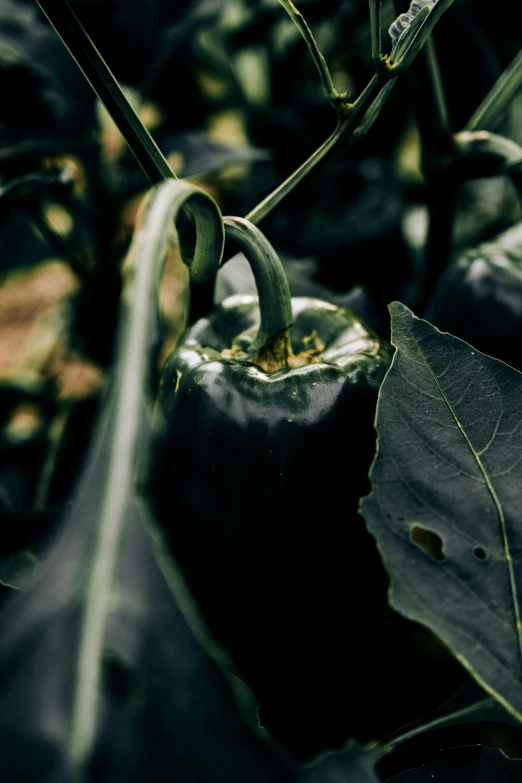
(440, 106)
(375, 31)
(262, 209)
(438, 723)
(275, 307)
(348, 123)
(351, 116)
(97, 73)
(147, 253)
(318, 58)
(498, 98)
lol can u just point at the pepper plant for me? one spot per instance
(205, 602)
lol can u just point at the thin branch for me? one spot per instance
(320, 63)
(353, 114)
(375, 31)
(373, 111)
(439, 723)
(440, 105)
(498, 98)
(97, 73)
(437, 149)
(262, 209)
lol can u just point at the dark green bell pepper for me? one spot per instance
(265, 438)
(479, 297)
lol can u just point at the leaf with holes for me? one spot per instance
(446, 498)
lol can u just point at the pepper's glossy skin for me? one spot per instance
(479, 297)
(256, 479)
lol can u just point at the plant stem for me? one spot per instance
(345, 124)
(320, 63)
(375, 31)
(350, 117)
(438, 723)
(272, 285)
(138, 329)
(438, 104)
(262, 209)
(498, 98)
(431, 112)
(97, 73)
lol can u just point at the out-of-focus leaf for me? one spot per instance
(445, 501)
(30, 66)
(100, 673)
(25, 192)
(479, 297)
(352, 764)
(195, 153)
(475, 764)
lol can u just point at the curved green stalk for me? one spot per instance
(275, 305)
(131, 388)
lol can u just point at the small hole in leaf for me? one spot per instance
(480, 553)
(427, 541)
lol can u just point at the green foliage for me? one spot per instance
(108, 669)
(444, 506)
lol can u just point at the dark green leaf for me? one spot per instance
(352, 764)
(464, 765)
(445, 505)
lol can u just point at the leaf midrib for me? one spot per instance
(494, 497)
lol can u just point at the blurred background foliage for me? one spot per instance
(231, 95)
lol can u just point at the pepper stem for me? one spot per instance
(275, 306)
